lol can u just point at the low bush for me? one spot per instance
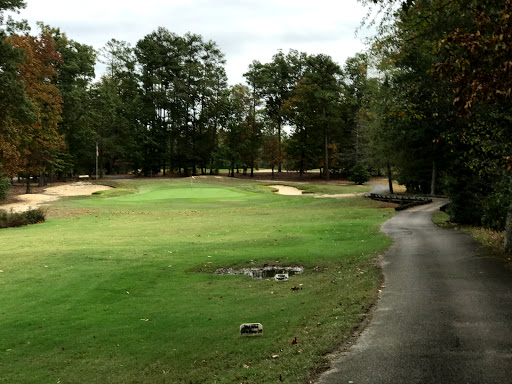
(18, 219)
(359, 174)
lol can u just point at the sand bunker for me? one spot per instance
(292, 191)
(286, 190)
(36, 200)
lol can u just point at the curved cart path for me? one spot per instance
(445, 315)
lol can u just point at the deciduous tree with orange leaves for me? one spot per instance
(39, 141)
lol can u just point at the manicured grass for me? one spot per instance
(122, 291)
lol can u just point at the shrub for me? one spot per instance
(497, 205)
(466, 198)
(359, 174)
(35, 216)
(18, 219)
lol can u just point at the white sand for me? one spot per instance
(36, 200)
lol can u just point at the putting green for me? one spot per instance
(202, 192)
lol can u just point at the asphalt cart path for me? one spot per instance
(445, 314)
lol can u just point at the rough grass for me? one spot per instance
(492, 240)
(120, 291)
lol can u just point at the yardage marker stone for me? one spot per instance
(251, 329)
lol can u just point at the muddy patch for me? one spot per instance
(261, 273)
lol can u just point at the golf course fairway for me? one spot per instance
(120, 287)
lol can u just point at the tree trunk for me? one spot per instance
(508, 232)
(390, 179)
(433, 185)
(326, 150)
(280, 149)
(28, 185)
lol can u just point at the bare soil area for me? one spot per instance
(19, 202)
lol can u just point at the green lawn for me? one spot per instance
(118, 287)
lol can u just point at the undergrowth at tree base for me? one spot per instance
(490, 239)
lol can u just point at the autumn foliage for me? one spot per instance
(39, 141)
(479, 59)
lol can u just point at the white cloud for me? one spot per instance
(245, 30)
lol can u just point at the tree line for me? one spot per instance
(444, 102)
(164, 106)
(428, 104)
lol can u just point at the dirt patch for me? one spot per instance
(21, 203)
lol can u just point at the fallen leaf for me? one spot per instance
(275, 356)
(246, 366)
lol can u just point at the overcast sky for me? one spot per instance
(245, 30)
